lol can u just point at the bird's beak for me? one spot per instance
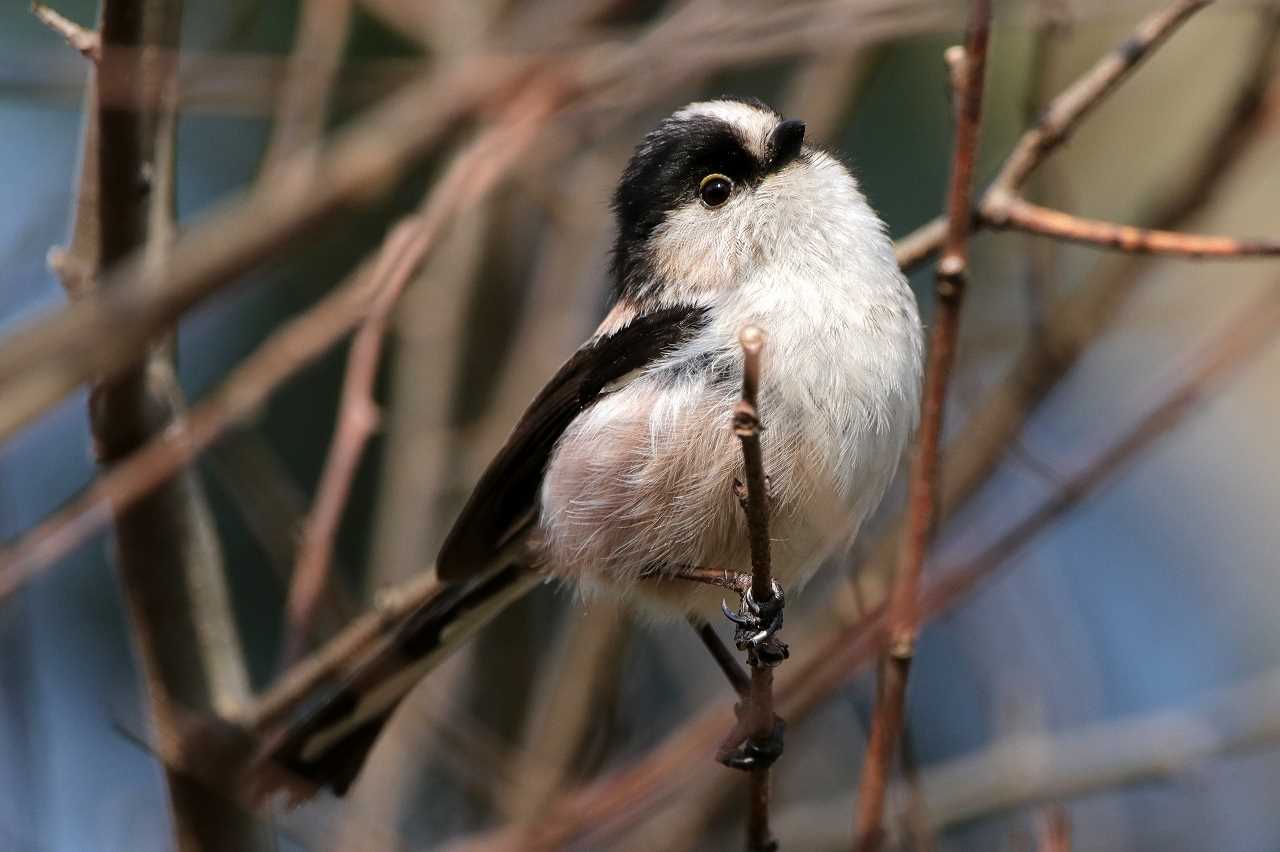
(785, 142)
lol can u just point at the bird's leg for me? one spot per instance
(733, 581)
(733, 670)
(756, 623)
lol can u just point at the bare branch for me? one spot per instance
(1031, 769)
(87, 42)
(747, 426)
(1013, 212)
(302, 106)
(470, 176)
(104, 332)
(1059, 120)
(969, 75)
(1065, 112)
(170, 563)
(288, 350)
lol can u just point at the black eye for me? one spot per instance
(715, 190)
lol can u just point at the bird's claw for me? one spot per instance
(755, 753)
(756, 626)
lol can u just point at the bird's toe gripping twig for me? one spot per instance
(748, 753)
(756, 626)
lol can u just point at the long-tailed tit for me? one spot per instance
(624, 466)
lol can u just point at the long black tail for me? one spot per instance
(327, 742)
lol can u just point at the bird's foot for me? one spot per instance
(756, 625)
(752, 753)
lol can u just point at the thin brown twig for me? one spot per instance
(760, 720)
(1016, 213)
(87, 42)
(969, 75)
(169, 560)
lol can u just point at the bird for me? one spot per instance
(624, 469)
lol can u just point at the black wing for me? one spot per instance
(508, 491)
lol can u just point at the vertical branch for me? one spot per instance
(746, 425)
(170, 564)
(968, 73)
(301, 111)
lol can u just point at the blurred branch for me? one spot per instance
(1033, 769)
(586, 660)
(289, 349)
(968, 67)
(108, 329)
(274, 508)
(1055, 835)
(87, 42)
(169, 560)
(471, 175)
(301, 107)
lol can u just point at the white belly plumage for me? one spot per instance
(645, 478)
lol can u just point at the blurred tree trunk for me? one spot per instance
(170, 563)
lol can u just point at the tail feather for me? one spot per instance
(326, 744)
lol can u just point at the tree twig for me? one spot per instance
(1014, 212)
(86, 42)
(969, 74)
(747, 426)
(1031, 769)
(470, 176)
(301, 108)
(169, 559)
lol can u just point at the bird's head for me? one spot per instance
(724, 187)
